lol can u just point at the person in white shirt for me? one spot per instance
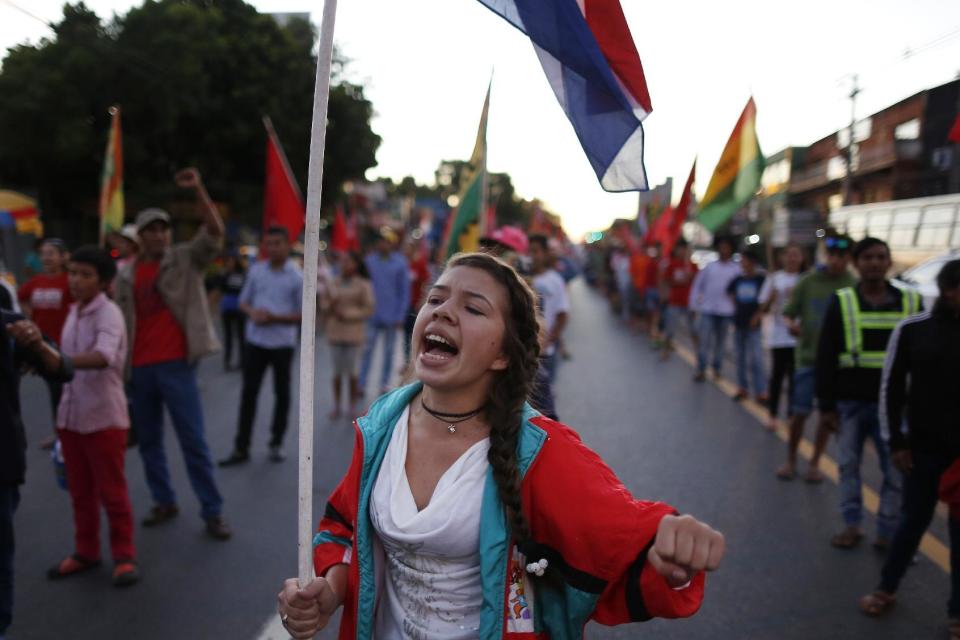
(774, 295)
(709, 299)
(451, 521)
(554, 302)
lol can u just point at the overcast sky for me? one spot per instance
(426, 64)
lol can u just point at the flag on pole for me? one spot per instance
(737, 176)
(592, 64)
(344, 235)
(673, 227)
(954, 135)
(111, 181)
(282, 202)
(463, 227)
(651, 205)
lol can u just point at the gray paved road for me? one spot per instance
(665, 437)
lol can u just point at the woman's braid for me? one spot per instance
(512, 386)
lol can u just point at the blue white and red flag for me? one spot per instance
(592, 64)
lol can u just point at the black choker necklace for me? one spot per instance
(452, 419)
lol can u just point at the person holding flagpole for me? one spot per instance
(465, 513)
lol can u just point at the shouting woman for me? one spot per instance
(466, 514)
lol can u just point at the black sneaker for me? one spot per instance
(235, 458)
(161, 513)
(277, 454)
(218, 529)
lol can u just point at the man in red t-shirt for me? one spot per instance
(45, 298)
(675, 283)
(164, 304)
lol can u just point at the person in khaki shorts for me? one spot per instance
(348, 304)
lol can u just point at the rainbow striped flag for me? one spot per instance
(737, 176)
(463, 229)
(111, 181)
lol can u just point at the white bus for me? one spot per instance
(916, 229)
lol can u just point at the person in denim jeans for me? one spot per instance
(745, 292)
(709, 298)
(850, 356)
(168, 320)
(390, 277)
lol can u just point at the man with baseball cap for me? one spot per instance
(164, 305)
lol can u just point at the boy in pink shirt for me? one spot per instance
(92, 420)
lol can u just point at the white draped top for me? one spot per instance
(432, 571)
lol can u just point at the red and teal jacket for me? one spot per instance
(583, 521)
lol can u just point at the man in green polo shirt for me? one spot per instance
(804, 316)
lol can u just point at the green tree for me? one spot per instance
(193, 78)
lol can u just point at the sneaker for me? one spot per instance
(277, 454)
(218, 529)
(125, 573)
(235, 458)
(700, 377)
(161, 513)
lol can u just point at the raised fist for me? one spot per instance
(188, 178)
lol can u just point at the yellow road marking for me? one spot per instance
(930, 546)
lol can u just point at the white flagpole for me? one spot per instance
(308, 324)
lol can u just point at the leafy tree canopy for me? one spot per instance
(193, 79)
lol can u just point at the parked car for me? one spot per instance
(923, 277)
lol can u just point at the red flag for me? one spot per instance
(491, 223)
(680, 214)
(660, 229)
(954, 135)
(353, 238)
(282, 202)
(339, 239)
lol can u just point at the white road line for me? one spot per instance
(273, 630)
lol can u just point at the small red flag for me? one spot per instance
(339, 239)
(282, 202)
(680, 214)
(954, 135)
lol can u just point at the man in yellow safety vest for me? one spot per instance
(850, 357)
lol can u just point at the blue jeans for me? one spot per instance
(750, 360)
(9, 499)
(713, 332)
(173, 384)
(859, 421)
(374, 329)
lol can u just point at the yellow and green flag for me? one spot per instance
(111, 182)
(737, 176)
(463, 229)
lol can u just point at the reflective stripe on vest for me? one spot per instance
(855, 321)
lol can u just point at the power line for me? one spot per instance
(27, 13)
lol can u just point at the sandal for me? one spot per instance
(814, 476)
(125, 573)
(878, 603)
(71, 566)
(847, 539)
(786, 472)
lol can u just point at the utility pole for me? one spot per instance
(848, 177)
